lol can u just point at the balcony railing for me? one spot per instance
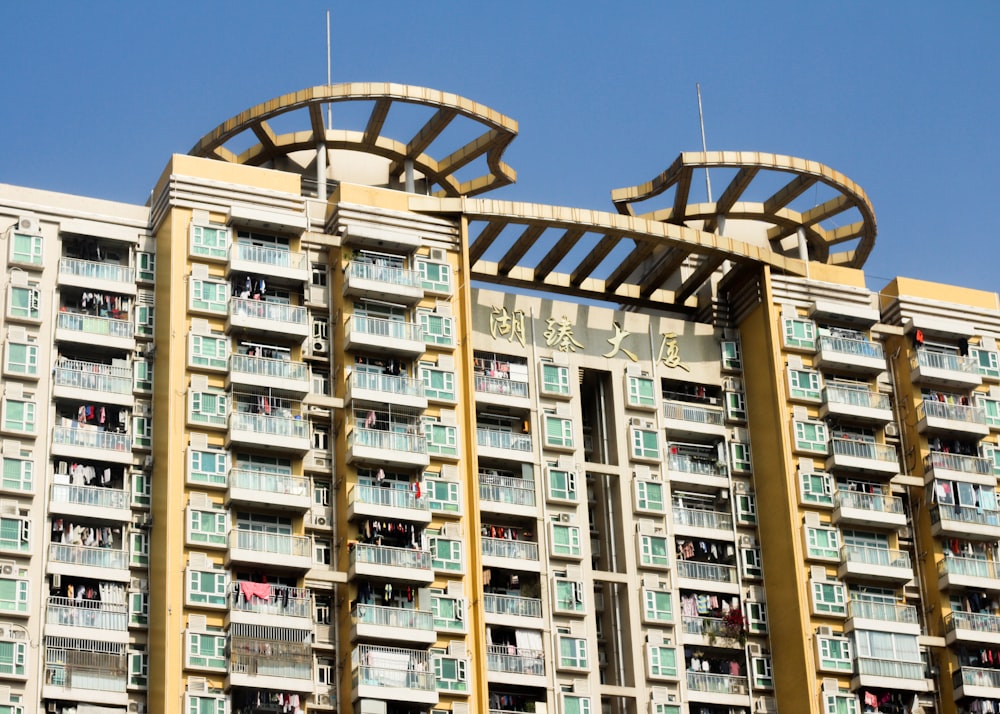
(86, 555)
(498, 439)
(516, 660)
(267, 482)
(264, 599)
(390, 329)
(869, 555)
(388, 555)
(387, 383)
(507, 489)
(294, 427)
(715, 572)
(972, 621)
(970, 567)
(392, 667)
(389, 497)
(86, 613)
(512, 605)
(291, 666)
(93, 376)
(848, 346)
(271, 543)
(686, 411)
(703, 464)
(946, 361)
(91, 438)
(933, 409)
(85, 669)
(392, 617)
(836, 394)
(958, 462)
(717, 683)
(94, 325)
(703, 625)
(965, 514)
(980, 677)
(269, 368)
(384, 274)
(272, 257)
(90, 496)
(390, 440)
(497, 385)
(890, 668)
(878, 502)
(273, 311)
(864, 450)
(703, 519)
(93, 270)
(516, 549)
(883, 611)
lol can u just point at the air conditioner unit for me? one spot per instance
(761, 706)
(824, 631)
(746, 541)
(323, 700)
(50, 707)
(891, 430)
(739, 487)
(29, 225)
(754, 649)
(319, 520)
(56, 579)
(320, 346)
(438, 255)
(9, 569)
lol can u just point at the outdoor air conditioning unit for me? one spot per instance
(439, 255)
(7, 569)
(319, 520)
(28, 224)
(754, 649)
(891, 430)
(320, 346)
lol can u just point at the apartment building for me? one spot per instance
(321, 429)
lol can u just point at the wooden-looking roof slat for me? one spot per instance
(547, 264)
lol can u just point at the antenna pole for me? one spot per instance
(329, 82)
(704, 146)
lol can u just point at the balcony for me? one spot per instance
(890, 674)
(860, 562)
(389, 502)
(268, 657)
(502, 444)
(501, 391)
(507, 664)
(281, 375)
(394, 674)
(844, 354)
(705, 630)
(972, 628)
(388, 447)
(715, 573)
(92, 676)
(958, 421)
(68, 617)
(507, 494)
(882, 616)
(80, 561)
(690, 419)
(275, 263)
(282, 430)
(941, 369)
(976, 683)
(270, 605)
(694, 521)
(510, 554)
(695, 464)
(876, 510)
(383, 336)
(277, 490)
(857, 456)
(97, 276)
(723, 689)
(511, 610)
(90, 329)
(384, 562)
(106, 504)
(966, 522)
(397, 391)
(972, 573)
(91, 381)
(86, 442)
(268, 319)
(276, 550)
(855, 404)
(393, 624)
(958, 467)
(382, 282)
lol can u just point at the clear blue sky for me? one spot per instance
(902, 97)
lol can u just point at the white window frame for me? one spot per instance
(649, 559)
(444, 393)
(811, 497)
(138, 548)
(566, 494)
(201, 476)
(25, 479)
(219, 360)
(214, 538)
(652, 598)
(211, 241)
(452, 562)
(644, 503)
(746, 508)
(817, 443)
(558, 431)
(442, 439)
(23, 526)
(458, 683)
(818, 550)
(197, 414)
(441, 284)
(638, 386)
(17, 666)
(555, 379)
(641, 448)
(573, 548)
(578, 658)
(750, 563)
(145, 264)
(575, 704)
(804, 384)
(26, 367)
(658, 669)
(840, 702)
(829, 598)
(209, 295)
(568, 596)
(450, 505)
(739, 457)
(736, 406)
(194, 644)
(454, 623)
(22, 595)
(196, 595)
(33, 299)
(799, 333)
(841, 661)
(26, 423)
(32, 254)
(439, 329)
(762, 672)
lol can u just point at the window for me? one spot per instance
(823, 543)
(451, 673)
(142, 375)
(18, 474)
(988, 362)
(756, 618)
(322, 552)
(653, 551)
(321, 493)
(800, 334)
(834, 654)
(840, 702)
(207, 467)
(803, 384)
(572, 652)
(449, 612)
(739, 456)
(574, 704)
(146, 263)
(569, 596)
(438, 329)
(645, 443)
(891, 646)
(319, 275)
(750, 562)
(731, 356)
(811, 436)
(19, 415)
(14, 595)
(142, 488)
(555, 379)
(562, 484)
(662, 661)
(206, 704)
(658, 605)
(446, 554)
(649, 496)
(662, 708)
(442, 439)
(26, 249)
(746, 509)
(829, 598)
(210, 242)
(15, 534)
(209, 352)
(138, 608)
(209, 295)
(144, 320)
(13, 656)
(208, 406)
(991, 407)
(206, 587)
(566, 540)
(206, 650)
(443, 495)
(817, 488)
(13, 706)
(763, 674)
(138, 668)
(22, 359)
(142, 432)
(736, 406)
(435, 277)
(139, 549)
(25, 302)
(439, 384)
(558, 432)
(207, 527)
(640, 392)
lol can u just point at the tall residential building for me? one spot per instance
(320, 429)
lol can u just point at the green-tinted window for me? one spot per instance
(803, 384)
(24, 303)
(662, 661)
(22, 359)
(645, 443)
(438, 383)
(555, 379)
(206, 587)
(26, 249)
(800, 333)
(565, 540)
(659, 605)
(562, 484)
(829, 598)
(210, 242)
(641, 392)
(206, 650)
(209, 295)
(649, 496)
(435, 277)
(18, 474)
(558, 431)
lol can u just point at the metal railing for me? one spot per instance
(850, 346)
(971, 567)
(869, 555)
(392, 275)
(90, 496)
(279, 600)
(388, 497)
(717, 683)
(507, 489)
(271, 543)
(980, 622)
(269, 368)
(273, 257)
(86, 613)
(965, 514)
(503, 548)
(703, 465)
(382, 616)
(933, 409)
(890, 668)
(703, 625)
(388, 555)
(878, 502)
(82, 669)
(268, 482)
(391, 329)
(499, 439)
(512, 605)
(506, 387)
(89, 438)
(685, 411)
(703, 519)
(387, 383)
(93, 376)
(396, 678)
(93, 270)
(958, 462)
(294, 427)
(517, 660)
(389, 440)
(264, 665)
(94, 325)
(864, 450)
(715, 572)
(946, 361)
(273, 311)
(980, 677)
(87, 555)
(837, 394)
(884, 611)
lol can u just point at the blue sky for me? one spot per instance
(901, 97)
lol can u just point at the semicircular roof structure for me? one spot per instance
(376, 99)
(841, 197)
